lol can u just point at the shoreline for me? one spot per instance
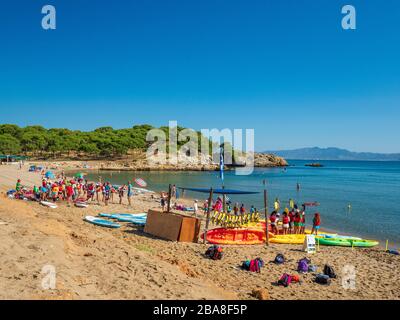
(69, 170)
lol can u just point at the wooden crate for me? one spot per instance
(172, 226)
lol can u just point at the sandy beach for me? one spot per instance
(97, 263)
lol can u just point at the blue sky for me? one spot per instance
(285, 68)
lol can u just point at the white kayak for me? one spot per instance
(51, 205)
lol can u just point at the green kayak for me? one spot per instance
(347, 242)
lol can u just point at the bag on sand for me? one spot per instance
(215, 252)
(312, 268)
(328, 271)
(323, 279)
(303, 265)
(279, 259)
(253, 265)
(285, 280)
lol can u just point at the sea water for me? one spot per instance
(359, 198)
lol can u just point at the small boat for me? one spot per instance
(314, 165)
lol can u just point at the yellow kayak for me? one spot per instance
(288, 239)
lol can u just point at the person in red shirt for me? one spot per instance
(291, 221)
(70, 192)
(285, 223)
(297, 222)
(274, 222)
(316, 224)
(303, 223)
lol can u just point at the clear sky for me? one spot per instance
(285, 68)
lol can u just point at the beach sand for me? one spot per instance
(97, 263)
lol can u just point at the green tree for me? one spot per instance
(9, 145)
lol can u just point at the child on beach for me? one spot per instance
(274, 222)
(291, 221)
(162, 202)
(285, 223)
(121, 192)
(297, 222)
(316, 224)
(130, 193)
(195, 207)
(303, 223)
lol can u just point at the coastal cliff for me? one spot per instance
(137, 161)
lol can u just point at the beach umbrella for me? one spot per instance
(140, 182)
(49, 175)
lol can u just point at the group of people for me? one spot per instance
(63, 189)
(293, 221)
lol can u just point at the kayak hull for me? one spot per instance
(236, 236)
(347, 242)
(102, 222)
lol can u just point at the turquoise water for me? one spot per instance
(372, 189)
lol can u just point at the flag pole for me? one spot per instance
(266, 212)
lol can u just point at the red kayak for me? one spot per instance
(236, 236)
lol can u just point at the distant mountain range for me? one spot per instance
(334, 154)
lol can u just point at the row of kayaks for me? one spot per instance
(249, 236)
(138, 219)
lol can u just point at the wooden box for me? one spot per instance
(172, 226)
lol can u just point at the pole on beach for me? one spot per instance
(169, 198)
(208, 215)
(266, 213)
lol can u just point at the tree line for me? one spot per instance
(38, 141)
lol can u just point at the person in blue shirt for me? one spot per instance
(130, 193)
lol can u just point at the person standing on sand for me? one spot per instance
(303, 223)
(130, 193)
(285, 223)
(316, 224)
(173, 191)
(121, 192)
(107, 191)
(236, 209)
(162, 202)
(297, 222)
(195, 207)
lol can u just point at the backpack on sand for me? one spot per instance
(323, 279)
(328, 271)
(253, 265)
(215, 252)
(279, 259)
(303, 265)
(256, 265)
(285, 280)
